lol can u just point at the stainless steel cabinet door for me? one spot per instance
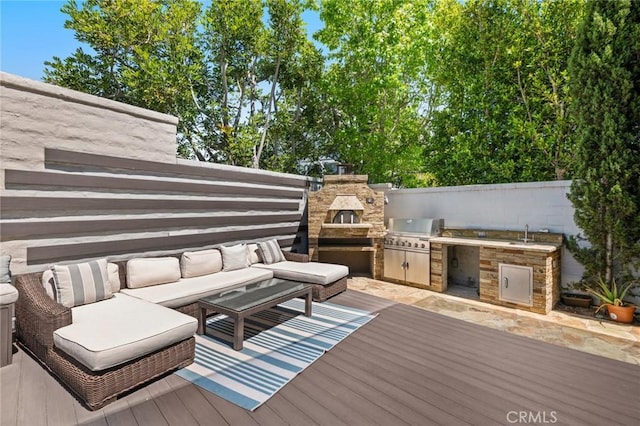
(516, 284)
(393, 264)
(417, 268)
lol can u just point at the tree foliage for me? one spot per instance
(373, 85)
(223, 71)
(605, 85)
(434, 92)
(501, 70)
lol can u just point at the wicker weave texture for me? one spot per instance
(97, 389)
(38, 316)
(323, 292)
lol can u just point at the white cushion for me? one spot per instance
(308, 272)
(270, 251)
(202, 262)
(5, 272)
(143, 272)
(114, 277)
(8, 294)
(235, 257)
(254, 253)
(81, 283)
(49, 285)
(120, 329)
(189, 290)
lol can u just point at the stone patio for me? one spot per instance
(604, 338)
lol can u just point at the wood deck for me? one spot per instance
(407, 366)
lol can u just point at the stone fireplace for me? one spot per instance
(346, 224)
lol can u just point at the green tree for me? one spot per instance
(500, 67)
(373, 86)
(605, 85)
(223, 72)
(145, 54)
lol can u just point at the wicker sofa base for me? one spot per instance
(323, 292)
(97, 389)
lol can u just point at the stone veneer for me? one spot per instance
(371, 219)
(545, 264)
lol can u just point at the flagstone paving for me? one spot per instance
(604, 338)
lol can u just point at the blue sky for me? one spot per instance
(32, 32)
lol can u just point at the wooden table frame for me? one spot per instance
(239, 316)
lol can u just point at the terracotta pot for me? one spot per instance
(622, 314)
(576, 299)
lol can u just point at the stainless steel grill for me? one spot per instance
(412, 234)
(406, 249)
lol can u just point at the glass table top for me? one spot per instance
(242, 298)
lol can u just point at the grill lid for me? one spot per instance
(416, 226)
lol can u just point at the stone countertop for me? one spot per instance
(519, 245)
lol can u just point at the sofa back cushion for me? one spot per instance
(143, 272)
(202, 262)
(234, 257)
(270, 252)
(81, 283)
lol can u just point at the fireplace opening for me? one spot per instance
(346, 216)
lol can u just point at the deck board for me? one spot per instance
(407, 366)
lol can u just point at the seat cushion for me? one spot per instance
(189, 290)
(111, 332)
(5, 272)
(308, 272)
(8, 294)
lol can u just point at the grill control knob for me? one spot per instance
(415, 244)
(397, 243)
(422, 245)
(403, 243)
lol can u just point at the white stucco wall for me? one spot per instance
(541, 205)
(36, 115)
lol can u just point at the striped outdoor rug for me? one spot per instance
(283, 342)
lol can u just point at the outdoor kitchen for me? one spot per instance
(518, 269)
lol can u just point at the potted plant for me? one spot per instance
(611, 297)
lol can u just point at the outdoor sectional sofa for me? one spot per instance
(146, 327)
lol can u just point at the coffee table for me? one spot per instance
(239, 303)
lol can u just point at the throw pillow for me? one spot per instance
(254, 253)
(202, 262)
(5, 272)
(113, 273)
(270, 252)
(234, 257)
(48, 284)
(147, 271)
(81, 283)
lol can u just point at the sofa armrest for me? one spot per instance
(296, 257)
(37, 315)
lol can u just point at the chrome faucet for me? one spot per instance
(526, 234)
